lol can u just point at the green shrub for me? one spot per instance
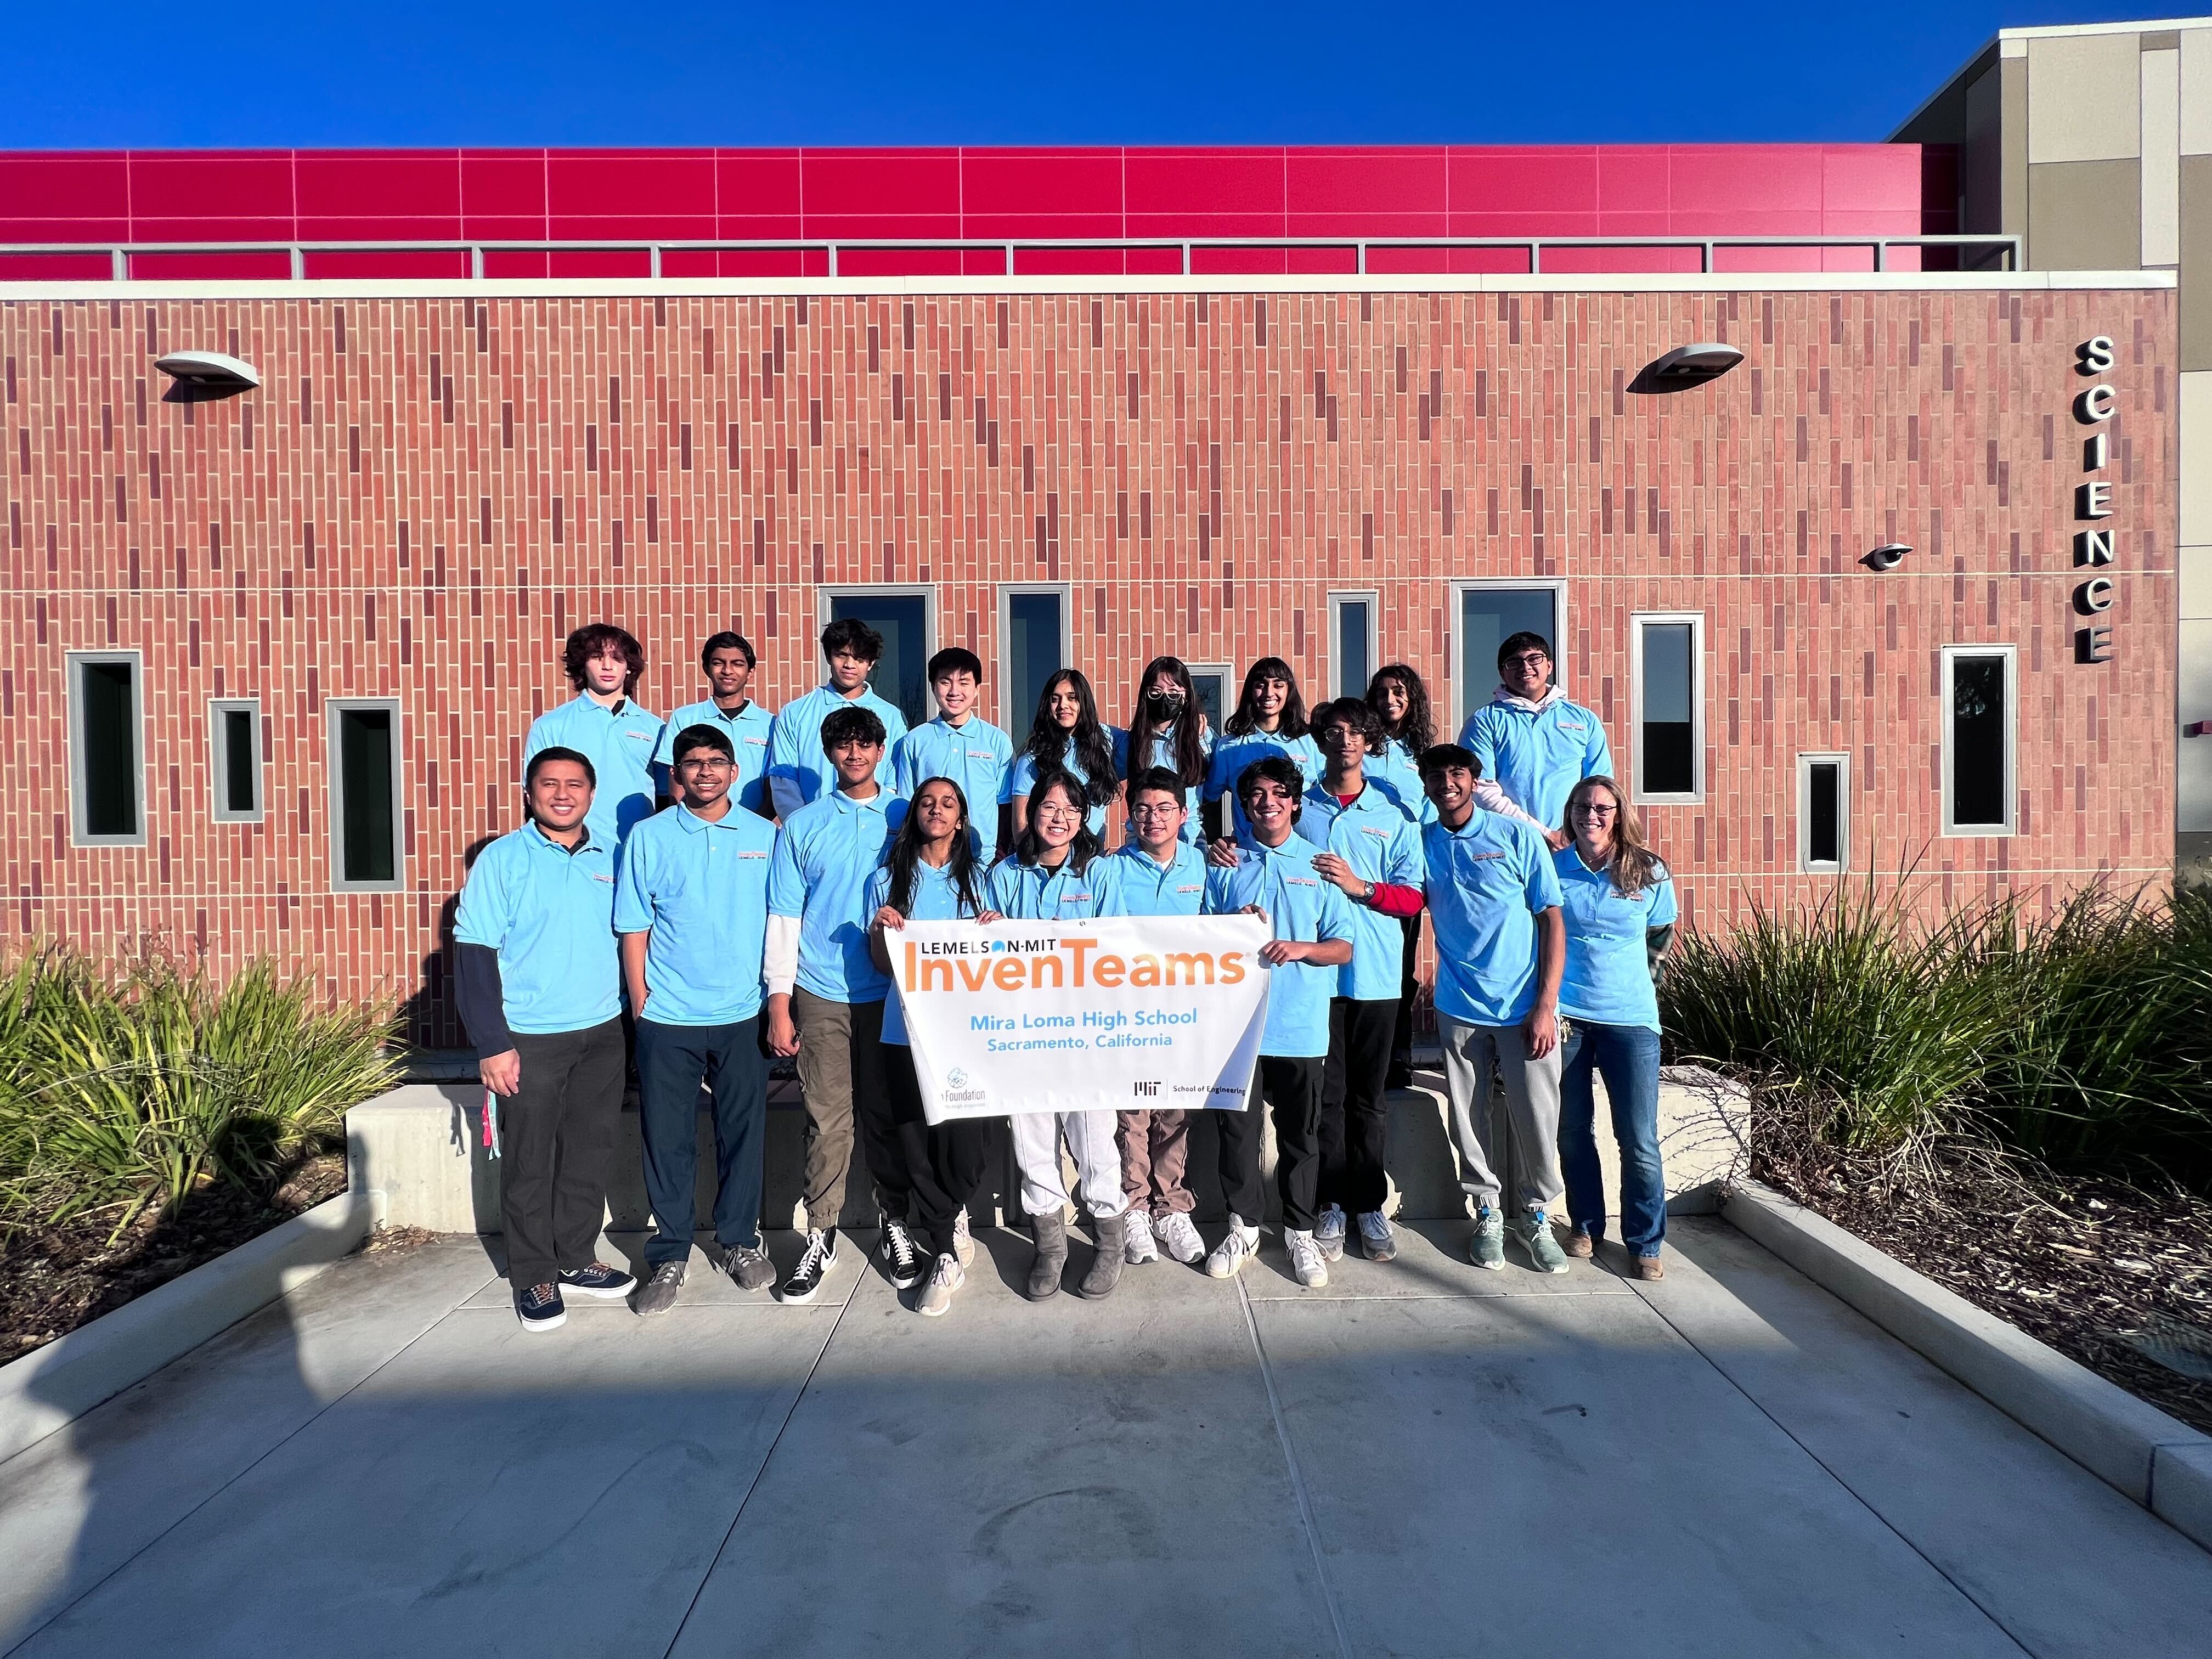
(123, 1088)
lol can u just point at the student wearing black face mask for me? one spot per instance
(1167, 732)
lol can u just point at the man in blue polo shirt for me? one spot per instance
(602, 723)
(959, 743)
(1372, 852)
(692, 912)
(1274, 878)
(1533, 744)
(728, 662)
(540, 993)
(796, 774)
(825, 997)
(1501, 944)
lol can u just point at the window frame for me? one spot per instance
(2010, 655)
(1464, 700)
(218, 761)
(73, 663)
(1638, 621)
(1338, 599)
(827, 595)
(1232, 682)
(1841, 760)
(1008, 591)
(334, 709)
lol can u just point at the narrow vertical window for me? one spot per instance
(1488, 615)
(1351, 619)
(1978, 724)
(234, 733)
(107, 750)
(1036, 649)
(365, 851)
(901, 616)
(1824, 813)
(1209, 683)
(1667, 664)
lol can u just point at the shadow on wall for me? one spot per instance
(428, 1017)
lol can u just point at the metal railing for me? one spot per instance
(119, 255)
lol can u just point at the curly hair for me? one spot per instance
(1416, 731)
(592, 641)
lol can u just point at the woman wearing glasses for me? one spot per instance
(1619, 903)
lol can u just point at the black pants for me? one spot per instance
(556, 1131)
(944, 1162)
(1355, 1119)
(1401, 1030)
(672, 1061)
(1292, 1088)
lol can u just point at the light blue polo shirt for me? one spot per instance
(1030, 892)
(1374, 837)
(1393, 772)
(1299, 905)
(702, 889)
(978, 757)
(797, 771)
(1163, 754)
(619, 743)
(1486, 882)
(1609, 975)
(1537, 756)
(935, 898)
(748, 731)
(1232, 754)
(1025, 777)
(1148, 888)
(824, 857)
(550, 914)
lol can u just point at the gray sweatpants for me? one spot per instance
(1532, 1111)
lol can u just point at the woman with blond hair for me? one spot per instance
(1619, 903)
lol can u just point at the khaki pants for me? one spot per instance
(840, 1070)
(1155, 1151)
(1532, 1112)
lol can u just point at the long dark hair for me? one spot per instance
(1028, 848)
(906, 855)
(1246, 720)
(1417, 730)
(1049, 743)
(1188, 726)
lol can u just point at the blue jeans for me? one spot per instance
(1628, 1056)
(672, 1061)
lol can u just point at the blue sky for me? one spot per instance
(412, 73)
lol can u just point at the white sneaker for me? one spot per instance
(1180, 1239)
(1329, 1233)
(1306, 1262)
(1138, 1247)
(936, 1295)
(1377, 1236)
(963, 1245)
(1228, 1258)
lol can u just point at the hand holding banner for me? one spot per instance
(1117, 1013)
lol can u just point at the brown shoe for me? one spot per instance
(1579, 1245)
(1649, 1267)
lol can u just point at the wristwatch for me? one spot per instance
(1368, 897)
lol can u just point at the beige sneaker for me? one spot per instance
(936, 1295)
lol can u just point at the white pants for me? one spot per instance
(1090, 1143)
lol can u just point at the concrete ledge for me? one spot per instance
(48, 1389)
(2160, 1462)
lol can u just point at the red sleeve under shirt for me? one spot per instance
(1393, 900)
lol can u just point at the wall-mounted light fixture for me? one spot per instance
(1887, 556)
(1686, 366)
(201, 375)
(2197, 729)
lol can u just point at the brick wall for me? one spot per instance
(427, 494)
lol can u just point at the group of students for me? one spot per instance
(724, 884)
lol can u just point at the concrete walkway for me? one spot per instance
(1420, 1459)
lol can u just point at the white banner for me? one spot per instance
(1120, 1013)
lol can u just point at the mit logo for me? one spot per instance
(1149, 1090)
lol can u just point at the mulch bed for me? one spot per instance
(2084, 1264)
(54, 1279)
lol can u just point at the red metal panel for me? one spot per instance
(378, 263)
(757, 194)
(1874, 180)
(64, 198)
(1458, 261)
(1744, 190)
(641, 195)
(1494, 182)
(503, 194)
(1575, 261)
(93, 267)
(188, 267)
(1204, 192)
(1632, 186)
(1367, 193)
(238, 196)
(882, 192)
(358, 196)
(1041, 192)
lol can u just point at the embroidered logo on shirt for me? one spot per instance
(1563, 726)
(979, 753)
(748, 852)
(1300, 881)
(1479, 858)
(757, 743)
(1195, 887)
(596, 876)
(1383, 835)
(640, 736)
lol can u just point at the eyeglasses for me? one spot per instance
(712, 763)
(1058, 814)
(1590, 809)
(1528, 659)
(1158, 809)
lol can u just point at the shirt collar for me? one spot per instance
(1505, 699)
(694, 823)
(874, 803)
(546, 841)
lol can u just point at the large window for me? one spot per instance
(1033, 622)
(1666, 667)
(1352, 632)
(107, 796)
(234, 759)
(901, 616)
(1824, 813)
(1489, 614)
(365, 855)
(1978, 723)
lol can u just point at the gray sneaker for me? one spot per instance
(1376, 1237)
(1487, 1247)
(963, 1243)
(1329, 1233)
(1533, 1230)
(659, 1295)
(936, 1295)
(749, 1266)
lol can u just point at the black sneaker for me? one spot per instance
(598, 1281)
(821, 1255)
(539, 1309)
(901, 1262)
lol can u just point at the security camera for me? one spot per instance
(1887, 556)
